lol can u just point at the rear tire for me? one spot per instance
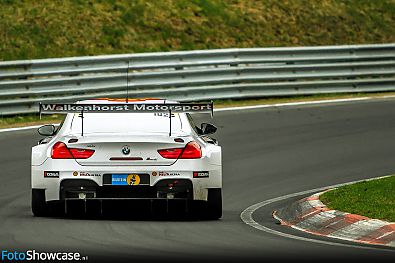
(214, 202)
(39, 205)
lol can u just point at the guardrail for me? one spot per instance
(198, 75)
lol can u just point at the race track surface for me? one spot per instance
(267, 153)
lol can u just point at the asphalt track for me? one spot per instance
(267, 153)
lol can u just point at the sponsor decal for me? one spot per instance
(133, 179)
(51, 174)
(85, 174)
(118, 179)
(89, 174)
(169, 174)
(203, 174)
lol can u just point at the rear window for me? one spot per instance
(127, 123)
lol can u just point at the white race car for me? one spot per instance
(109, 152)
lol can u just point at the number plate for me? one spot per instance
(130, 179)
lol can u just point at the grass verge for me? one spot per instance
(373, 198)
(48, 29)
(29, 120)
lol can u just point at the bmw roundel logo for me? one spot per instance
(125, 150)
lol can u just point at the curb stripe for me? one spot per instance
(382, 235)
(247, 217)
(310, 215)
(358, 229)
(311, 198)
(331, 225)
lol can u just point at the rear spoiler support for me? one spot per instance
(170, 123)
(81, 115)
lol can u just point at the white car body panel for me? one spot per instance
(144, 143)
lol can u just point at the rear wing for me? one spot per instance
(127, 107)
(56, 108)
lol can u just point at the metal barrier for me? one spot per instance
(198, 75)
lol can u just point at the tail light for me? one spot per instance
(61, 151)
(191, 151)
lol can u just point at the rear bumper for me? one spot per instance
(74, 189)
(61, 171)
(124, 207)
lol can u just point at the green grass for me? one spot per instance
(373, 199)
(49, 28)
(29, 120)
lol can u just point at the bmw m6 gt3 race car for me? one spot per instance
(109, 151)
